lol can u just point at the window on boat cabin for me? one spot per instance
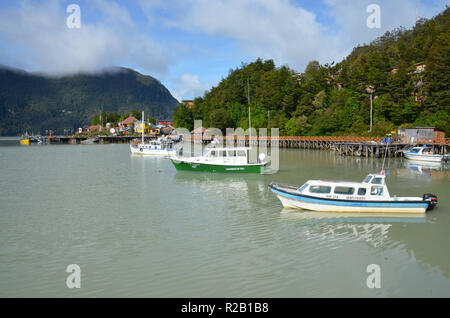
(319, 189)
(362, 191)
(367, 179)
(241, 153)
(303, 187)
(425, 150)
(212, 153)
(377, 180)
(344, 190)
(415, 150)
(222, 153)
(376, 190)
(232, 153)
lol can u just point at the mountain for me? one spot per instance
(407, 70)
(36, 102)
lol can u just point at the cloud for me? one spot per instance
(188, 86)
(284, 31)
(350, 17)
(275, 29)
(35, 36)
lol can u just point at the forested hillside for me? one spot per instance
(407, 71)
(35, 103)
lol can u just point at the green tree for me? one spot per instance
(183, 117)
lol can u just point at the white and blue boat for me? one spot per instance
(161, 147)
(425, 153)
(371, 195)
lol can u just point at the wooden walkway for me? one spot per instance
(343, 145)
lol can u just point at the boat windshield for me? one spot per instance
(303, 187)
(367, 179)
(377, 180)
(415, 150)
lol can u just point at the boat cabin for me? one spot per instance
(238, 155)
(424, 150)
(158, 144)
(373, 188)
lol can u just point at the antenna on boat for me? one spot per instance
(385, 153)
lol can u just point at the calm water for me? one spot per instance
(137, 228)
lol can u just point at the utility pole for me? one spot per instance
(370, 90)
(249, 121)
(100, 128)
(370, 130)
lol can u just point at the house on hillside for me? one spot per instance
(139, 126)
(420, 134)
(188, 103)
(167, 130)
(332, 76)
(165, 122)
(128, 123)
(420, 67)
(94, 128)
(199, 131)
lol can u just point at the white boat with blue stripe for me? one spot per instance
(371, 195)
(425, 153)
(160, 147)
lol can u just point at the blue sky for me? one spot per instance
(190, 45)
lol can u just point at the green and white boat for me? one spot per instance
(221, 160)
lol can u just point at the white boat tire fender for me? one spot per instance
(262, 157)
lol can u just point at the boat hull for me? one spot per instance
(151, 152)
(431, 158)
(289, 200)
(25, 141)
(202, 167)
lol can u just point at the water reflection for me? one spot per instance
(423, 166)
(423, 171)
(372, 228)
(142, 229)
(218, 183)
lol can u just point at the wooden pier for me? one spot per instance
(343, 145)
(99, 139)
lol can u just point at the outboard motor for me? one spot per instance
(432, 199)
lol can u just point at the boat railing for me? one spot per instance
(285, 186)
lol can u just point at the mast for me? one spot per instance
(142, 128)
(249, 120)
